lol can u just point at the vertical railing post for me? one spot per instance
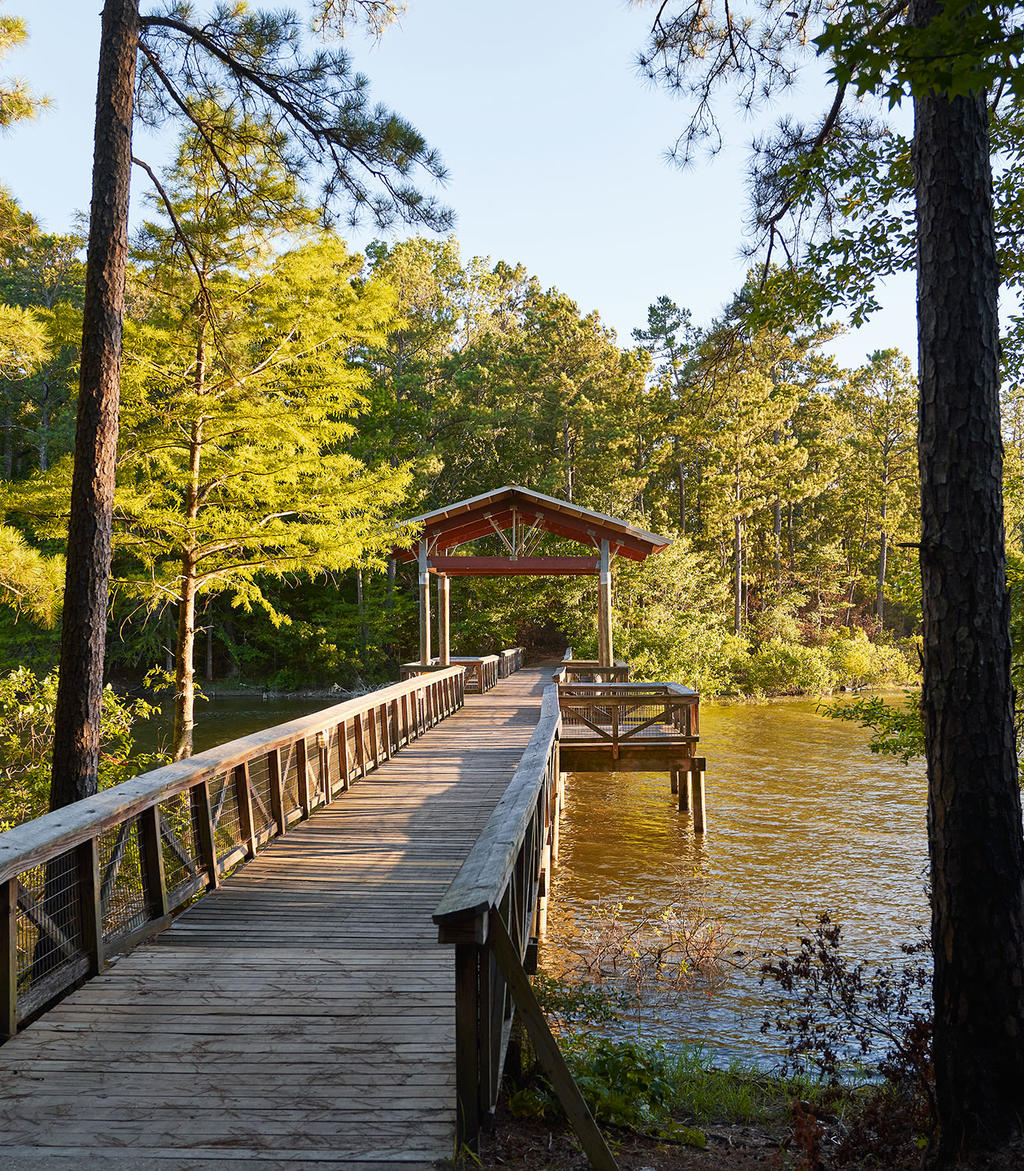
(343, 754)
(9, 958)
(152, 854)
(374, 737)
(276, 790)
(243, 798)
(468, 1072)
(202, 821)
(302, 764)
(360, 731)
(90, 906)
(323, 763)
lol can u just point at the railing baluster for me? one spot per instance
(467, 1042)
(360, 746)
(88, 859)
(277, 811)
(343, 755)
(323, 766)
(9, 958)
(374, 737)
(243, 799)
(152, 856)
(302, 763)
(202, 821)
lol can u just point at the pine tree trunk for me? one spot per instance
(361, 610)
(42, 440)
(883, 559)
(184, 675)
(681, 480)
(8, 461)
(974, 814)
(80, 691)
(777, 533)
(184, 662)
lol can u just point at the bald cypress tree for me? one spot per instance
(167, 64)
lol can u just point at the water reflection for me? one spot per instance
(226, 717)
(802, 818)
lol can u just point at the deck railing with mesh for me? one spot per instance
(85, 882)
(620, 714)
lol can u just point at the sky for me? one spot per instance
(554, 144)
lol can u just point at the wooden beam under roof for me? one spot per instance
(502, 566)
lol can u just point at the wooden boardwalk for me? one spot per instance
(302, 1015)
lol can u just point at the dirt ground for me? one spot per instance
(515, 1144)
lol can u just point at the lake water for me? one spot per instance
(802, 818)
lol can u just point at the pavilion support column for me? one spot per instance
(444, 636)
(424, 606)
(604, 607)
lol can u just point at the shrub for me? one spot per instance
(27, 704)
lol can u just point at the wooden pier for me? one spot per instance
(235, 958)
(303, 1013)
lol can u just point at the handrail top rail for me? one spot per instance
(45, 837)
(487, 868)
(594, 663)
(622, 690)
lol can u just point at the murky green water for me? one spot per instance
(802, 818)
(223, 718)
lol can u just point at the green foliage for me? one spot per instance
(310, 109)
(895, 59)
(16, 100)
(29, 580)
(26, 736)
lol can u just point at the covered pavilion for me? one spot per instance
(519, 517)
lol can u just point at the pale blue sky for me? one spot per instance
(554, 144)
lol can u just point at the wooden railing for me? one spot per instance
(618, 714)
(504, 878)
(93, 879)
(590, 670)
(510, 661)
(481, 671)
(494, 913)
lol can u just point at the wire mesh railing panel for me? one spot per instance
(178, 842)
(262, 801)
(350, 755)
(290, 780)
(314, 771)
(227, 827)
(48, 925)
(122, 892)
(333, 761)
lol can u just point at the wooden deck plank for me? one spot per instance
(302, 1015)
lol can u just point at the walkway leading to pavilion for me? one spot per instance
(300, 1016)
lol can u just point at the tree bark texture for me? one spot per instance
(80, 692)
(974, 813)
